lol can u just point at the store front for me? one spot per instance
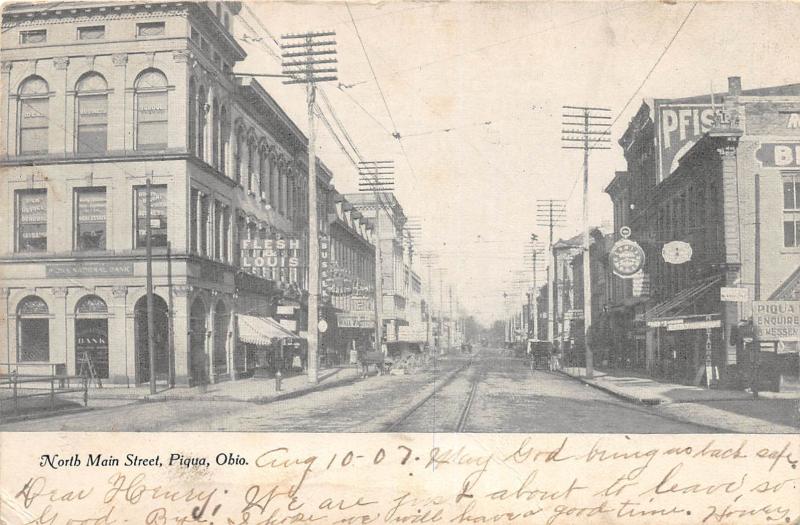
(268, 346)
(685, 335)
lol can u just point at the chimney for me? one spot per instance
(734, 86)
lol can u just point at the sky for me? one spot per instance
(475, 91)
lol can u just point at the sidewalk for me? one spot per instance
(728, 410)
(251, 390)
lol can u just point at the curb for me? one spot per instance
(155, 398)
(263, 400)
(654, 401)
(646, 401)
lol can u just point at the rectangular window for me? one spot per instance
(204, 218)
(33, 129)
(158, 216)
(151, 114)
(92, 123)
(148, 29)
(91, 33)
(193, 222)
(791, 210)
(34, 340)
(194, 35)
(90, 219)
(37, 36)
(31, 220)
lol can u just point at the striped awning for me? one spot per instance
(261, 330)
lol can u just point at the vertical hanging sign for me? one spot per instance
(324, 266)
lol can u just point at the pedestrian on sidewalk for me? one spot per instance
(555, 358)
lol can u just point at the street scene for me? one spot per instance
(400, 217)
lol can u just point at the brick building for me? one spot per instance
(719, 173)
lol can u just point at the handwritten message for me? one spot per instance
(274, 479)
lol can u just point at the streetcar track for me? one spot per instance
(462, 419)
(437, 388)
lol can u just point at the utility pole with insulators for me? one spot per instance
(377, 177)
(586, 128)
(309, 59)
(535, 249)
(549, 214)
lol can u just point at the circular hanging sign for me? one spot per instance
(677, 252)
(627, 258)
(322, 325)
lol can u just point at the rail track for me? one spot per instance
(465, 408)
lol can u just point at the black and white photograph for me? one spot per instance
(400, 217)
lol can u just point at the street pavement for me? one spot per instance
(490, 392)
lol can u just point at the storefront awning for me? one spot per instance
(261, 330)
(677, 303)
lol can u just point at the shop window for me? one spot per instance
(151, 110)
(791, 210)
(90, 219)
(92, 122)
(158, 216)
(149, 29)
(33, 330)
(33, 111)
(31, 220)
(91, 33)
(37, 36)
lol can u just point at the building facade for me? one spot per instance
(718, 174)
(386, 214)
(99, 99)
(351, 288)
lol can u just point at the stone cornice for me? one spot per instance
(35, 16)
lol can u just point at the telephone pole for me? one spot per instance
(308, 59)
(549, 214)
(151, 343)
(593, 134)
(533, 306)
(377, 176)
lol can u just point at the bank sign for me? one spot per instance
(776, 320)
(779, 155)
(678, 126)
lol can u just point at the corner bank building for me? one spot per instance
(96, 98)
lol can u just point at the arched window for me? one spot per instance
(238, 157)
(263, 173)
(281, 186)
(152, 110)
(33, 111)
(192, 114)
(201, 122)
(252, 158)
(224, 132)
(33, 330)
(215, 133)
(91, 93)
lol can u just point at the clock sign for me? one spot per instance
(627, 258)
(677, 252)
